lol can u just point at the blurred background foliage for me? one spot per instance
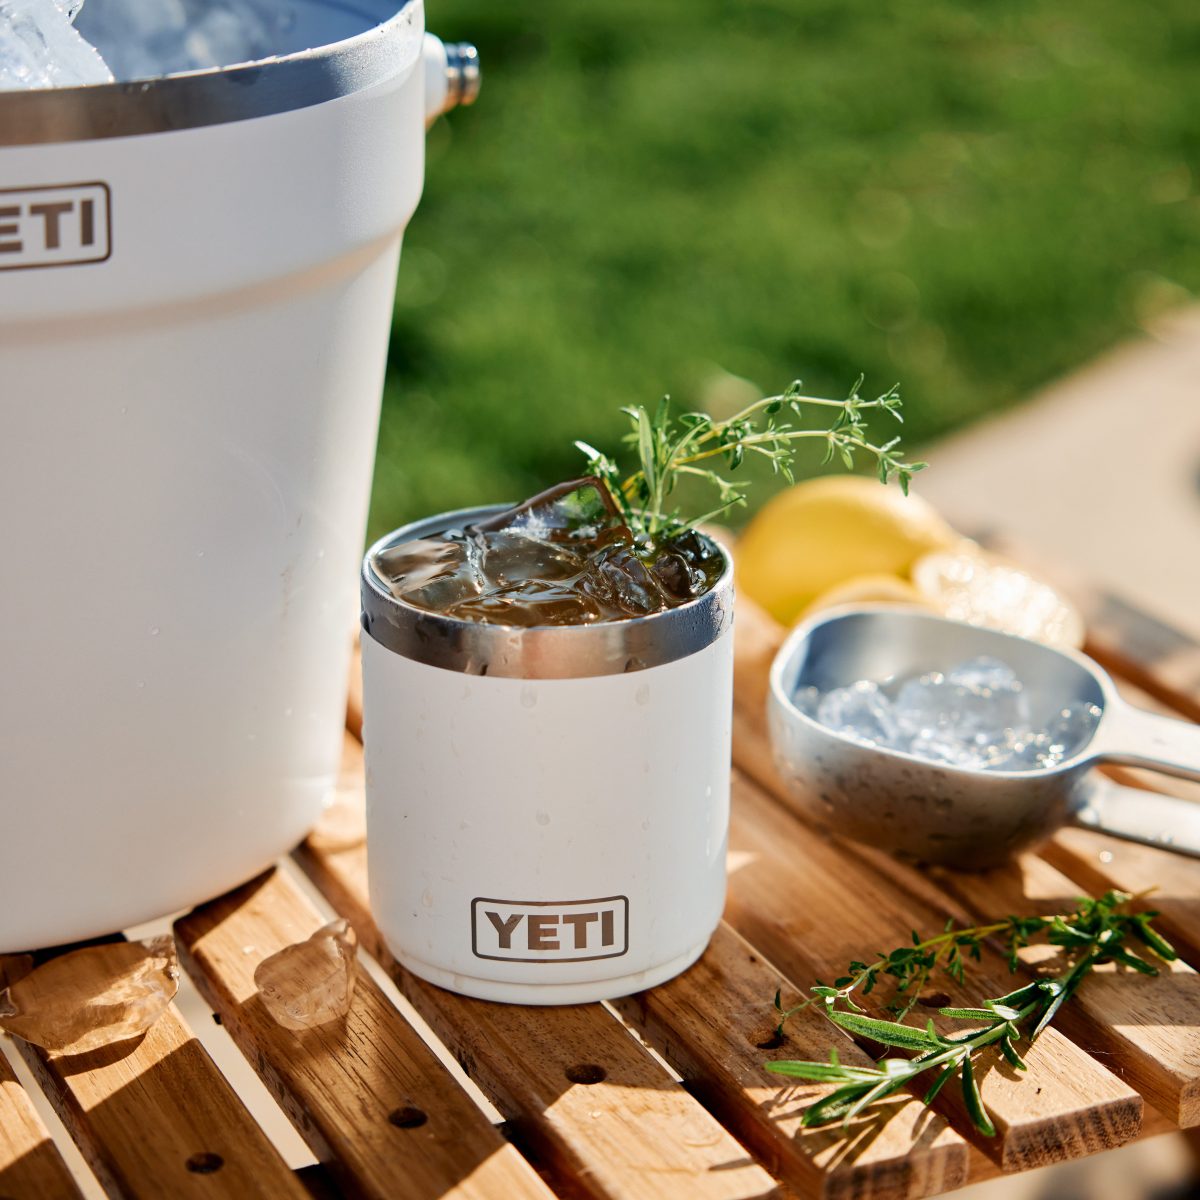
(708, 199)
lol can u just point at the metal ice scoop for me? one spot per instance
(963, 816)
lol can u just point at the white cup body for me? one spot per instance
(548, 840)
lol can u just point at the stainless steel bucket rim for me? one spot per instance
(215, 95)
(539, 651)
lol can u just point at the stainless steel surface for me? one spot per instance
(1141, 816)
(541, 652)
(334, 50)
(1136, 738)
(462, 74)
(941, 813)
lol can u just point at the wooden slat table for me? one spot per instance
(662, 1094)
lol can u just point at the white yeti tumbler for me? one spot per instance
(547, 807)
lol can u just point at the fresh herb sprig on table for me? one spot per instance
(670, 448)
(1096, 931)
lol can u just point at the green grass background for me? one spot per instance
(706, 198)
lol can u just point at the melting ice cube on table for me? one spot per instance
(90, 998)
(312, 982)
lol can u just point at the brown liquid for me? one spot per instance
(564, 557)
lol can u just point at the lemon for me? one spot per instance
(825, 531)
(981, 589)
(868, 589)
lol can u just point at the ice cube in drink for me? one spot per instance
(563, 557)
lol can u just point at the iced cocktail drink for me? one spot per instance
(564, 557)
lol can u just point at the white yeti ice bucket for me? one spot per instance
(196, 280)
(547, 808)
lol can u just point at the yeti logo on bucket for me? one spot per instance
(550, 930)
(57, 225)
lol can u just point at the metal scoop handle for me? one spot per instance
(1137, 815)
(1135, 738)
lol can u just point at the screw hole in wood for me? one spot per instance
(934, 1000)
(205, 1163)
(407, 1118)
(586, 1073)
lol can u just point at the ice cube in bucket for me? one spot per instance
(39, 48)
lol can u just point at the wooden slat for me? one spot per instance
(1154, 1124)
(343, 1083)
(1149, 653)
(31, 1167)
(1147, 1030)
(715, 1025)
(354, 700)
(812, 908)
(633, 1133)
(156, 1118)
(1098, 862)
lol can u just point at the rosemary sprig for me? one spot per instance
(671, 448)
(1098, 930)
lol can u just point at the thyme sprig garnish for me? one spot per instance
(693, 444)
(1096, 931)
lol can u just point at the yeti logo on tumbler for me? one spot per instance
(58, 225)
(550, 931)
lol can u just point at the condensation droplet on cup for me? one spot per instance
(1105, 856)
(141, 684)
(645, 824)
(542, 818)
(528, 697)
(426, 899)
(154, 631)
(642, 695)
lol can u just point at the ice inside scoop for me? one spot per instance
(976, 715)
(563, 557)
(942, 690)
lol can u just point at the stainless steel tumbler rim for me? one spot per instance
(542, 651)
(194, 99)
